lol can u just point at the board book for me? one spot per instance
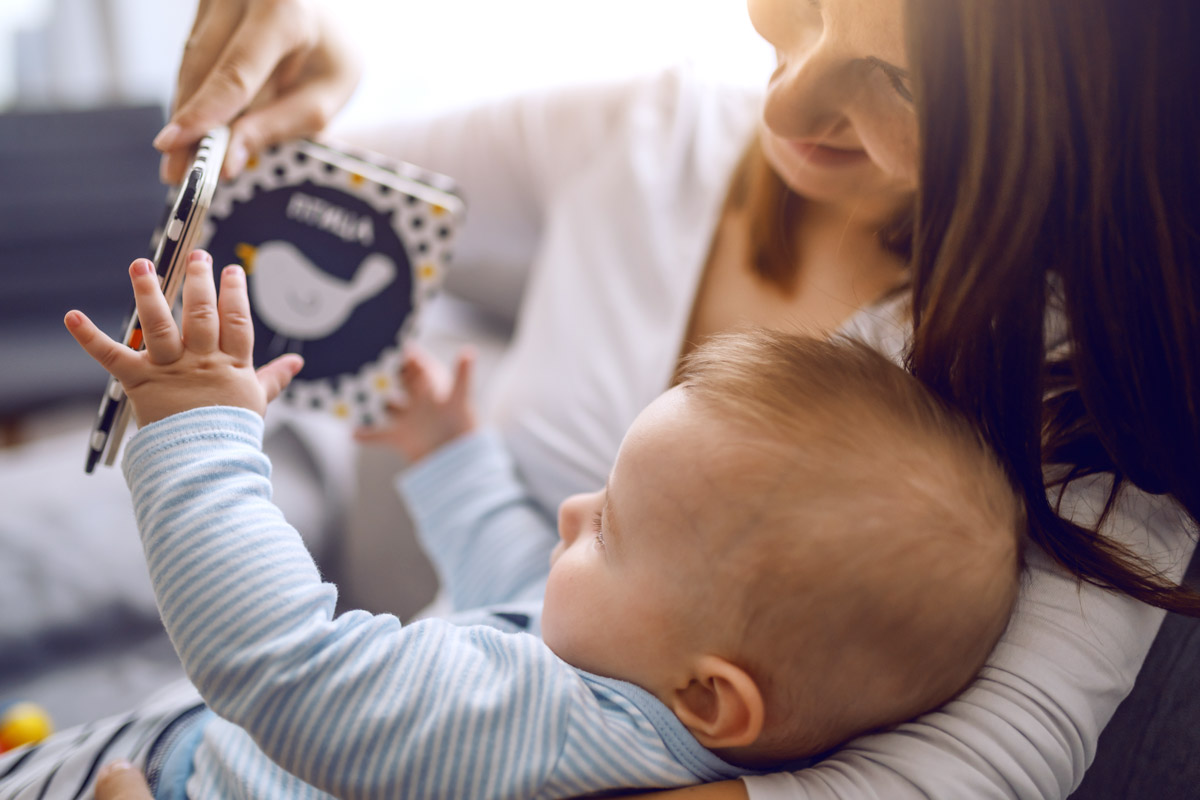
(341, 248)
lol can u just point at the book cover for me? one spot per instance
(341, 249)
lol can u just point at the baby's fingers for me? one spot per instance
(120, 362)
(460, 394)
(422, 376)
(201, 328)
(367, 434)
(158, 326)
(237, 327)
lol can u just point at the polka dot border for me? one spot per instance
(424, 210)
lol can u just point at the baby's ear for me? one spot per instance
(721, 704)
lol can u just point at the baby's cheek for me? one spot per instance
(553, 624)
(559, 636)
(564, 629)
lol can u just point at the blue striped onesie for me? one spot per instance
(358, 705)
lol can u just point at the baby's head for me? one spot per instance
(798, 543)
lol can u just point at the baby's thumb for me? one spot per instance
(275, 376)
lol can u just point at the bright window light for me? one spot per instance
(428, 56)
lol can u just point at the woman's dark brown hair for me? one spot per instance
(1060, 168)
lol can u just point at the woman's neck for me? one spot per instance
(840, 267)
(841, 255)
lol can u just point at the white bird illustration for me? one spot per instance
(299, 300)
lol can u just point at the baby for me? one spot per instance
(796, 544)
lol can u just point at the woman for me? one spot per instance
(1057, 157)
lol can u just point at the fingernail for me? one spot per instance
(232, 272)
(73, 319)
(200, 255)
(235, 159)
(141, 267)
(113, 767)
(167, 137)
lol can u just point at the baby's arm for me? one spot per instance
(355, 704)
(487, 540)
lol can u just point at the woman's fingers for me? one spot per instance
(272, 70)
(212, 29)
(117, 359)
(300, 112)
(201, 328)
(172, 166)
(233, 305)
(266, 35)
(159, 333)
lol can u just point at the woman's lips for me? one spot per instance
(821, 155)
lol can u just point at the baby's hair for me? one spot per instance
(878, 537)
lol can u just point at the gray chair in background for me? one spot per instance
(79, 197)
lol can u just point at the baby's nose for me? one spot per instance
(564, 522)
(570, 517)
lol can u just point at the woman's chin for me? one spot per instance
(846, 179)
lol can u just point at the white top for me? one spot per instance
(602, 202)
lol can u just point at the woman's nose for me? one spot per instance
(806, 97)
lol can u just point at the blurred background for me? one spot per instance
(84, 86)
(420, 56)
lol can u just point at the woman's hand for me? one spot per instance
(120, 780)
(271, 69)
(436, 407)
(208, 363)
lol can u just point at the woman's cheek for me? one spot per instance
(892, 145)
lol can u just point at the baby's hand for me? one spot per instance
(209, 364)
(435, 409)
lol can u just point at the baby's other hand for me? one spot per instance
(208, 363)
(436, 408)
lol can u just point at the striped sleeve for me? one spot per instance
(355, 705)
(487, 539)
(623, 736)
